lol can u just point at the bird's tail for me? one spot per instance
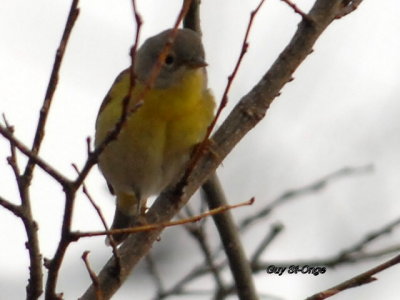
(127, 214)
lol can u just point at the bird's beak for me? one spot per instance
(197, 62)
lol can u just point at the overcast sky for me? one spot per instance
(342, 109)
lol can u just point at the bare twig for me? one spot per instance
(179, 287)
(157, 226)
(33, 157)
(348, 7)
(51, 88)
(297, 10)
(295, 193)
(93, 276)
(238, 262)
(35, 285)
(197, 232)
(352, 254)
(167, 47)
(368, 238)
(192, 18)
(155, 274)
(358, 280)
(139, 23)
(275, 230)
(55, 263)
(12, 159)
(103, 220)
(201, 147)
(15, 209)
(113, 134)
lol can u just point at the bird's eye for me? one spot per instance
(169, 59)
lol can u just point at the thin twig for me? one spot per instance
(238, 262)
(55, 264)
(348, 7)
(167, 47)
(139, 23)
(157, 226)
(297, 10)
(155, 274)
(93, 276)
(295, 193)
(200, 149)
(367, 239)
(35, 282)
(103, 220)
(275, 230)
(192, 18)
(352, 254)
(358, 280)
(33, 157)
(12, 159)
(51, 88)
(15, 209)
(197, 232)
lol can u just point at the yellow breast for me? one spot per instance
(157, 139)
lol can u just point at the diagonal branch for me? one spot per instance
(238, 262)
(32, 156)
(313, 187)
(15, 209)
(51, 88)
(358, 280)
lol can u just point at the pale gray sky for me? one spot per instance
(342, 109)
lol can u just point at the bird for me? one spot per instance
(157, 139)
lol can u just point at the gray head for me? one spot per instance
(186, 53)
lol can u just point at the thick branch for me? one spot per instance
(238, 262)
(192, 18)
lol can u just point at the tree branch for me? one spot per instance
(192, 18)
(238, 262)
(51, 88)
(358, 280)
(307, 189)
(32, 156)
(15, 209)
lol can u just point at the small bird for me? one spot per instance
(157, 139)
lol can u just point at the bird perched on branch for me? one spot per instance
(155, 142)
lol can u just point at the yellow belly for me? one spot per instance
(156, 141)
